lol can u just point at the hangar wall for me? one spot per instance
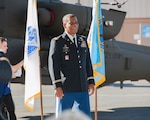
(135, 30)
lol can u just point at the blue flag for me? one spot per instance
(96, 44)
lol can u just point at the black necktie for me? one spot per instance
(74, 40)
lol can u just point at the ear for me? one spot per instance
(0, 43)
(64, 25)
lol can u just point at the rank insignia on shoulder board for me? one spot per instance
(83, 44)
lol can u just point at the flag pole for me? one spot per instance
(96, 117)
(41, 99)
(41, 93)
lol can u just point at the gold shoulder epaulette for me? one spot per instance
(4, 59)
(84, 37)
(56, 38)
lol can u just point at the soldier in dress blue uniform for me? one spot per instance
(70, 67)
(5, 91)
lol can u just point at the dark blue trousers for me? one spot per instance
(68, 100)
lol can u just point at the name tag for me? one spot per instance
(66, 57)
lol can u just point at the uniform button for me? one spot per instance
(78, 56)
(79, 61)
(77, 51)
(80, 66)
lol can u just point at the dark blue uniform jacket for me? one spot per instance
(4, 88)
(70, 66)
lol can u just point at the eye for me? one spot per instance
(73, 23)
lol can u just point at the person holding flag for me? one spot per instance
(5, 91)
(70, 68)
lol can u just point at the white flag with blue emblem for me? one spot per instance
(96, 44)
(31, 57)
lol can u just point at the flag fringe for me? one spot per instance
(29, 99)
(100, 81)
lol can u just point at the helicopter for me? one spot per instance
(123, 61)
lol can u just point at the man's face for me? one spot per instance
(71, 26)
(4, 46)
